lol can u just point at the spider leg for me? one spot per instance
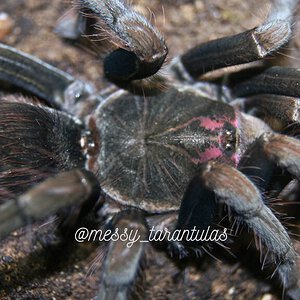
(72, 188)
(122, 261)
(248, 46)
(273, 80)
(267, 151)
(278, 111)
(233, 188)
(36, 143)
(58, 88)
(282, 150)
(138, 48)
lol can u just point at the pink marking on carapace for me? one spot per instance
(208, 154)
(184, 125)
(210, 124)
(235, 158)
(235, 121)
(211, 153)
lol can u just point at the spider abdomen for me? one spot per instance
(151, 147)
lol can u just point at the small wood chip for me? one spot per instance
(6, 25)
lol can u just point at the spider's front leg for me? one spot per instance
(280, 149)
(234, 189)
(245, 47)
(271, 94)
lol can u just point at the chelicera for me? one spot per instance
(161, 152)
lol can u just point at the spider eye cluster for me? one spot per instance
(229, 139)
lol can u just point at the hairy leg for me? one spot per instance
(58, 88)
(67, 189)
(248, 46)
(230, 186)
(122, 261)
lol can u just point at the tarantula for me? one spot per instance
(159, 153)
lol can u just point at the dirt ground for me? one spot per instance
(29, 267)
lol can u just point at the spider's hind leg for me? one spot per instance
(43, 164)
(57, 88)
(75, 188)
